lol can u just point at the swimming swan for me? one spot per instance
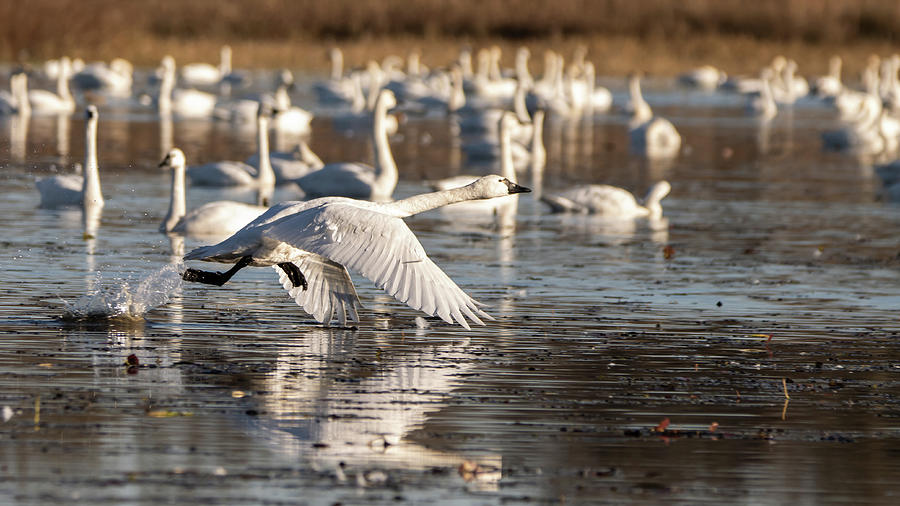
(610, 201)
(357, 180)
(651, 136)
(223, 217)
(15, 101)
(234, 173)
(313, 243)
(73, 189)
(61, 102)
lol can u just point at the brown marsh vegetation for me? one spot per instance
(660, 36)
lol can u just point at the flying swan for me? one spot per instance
(313, 243)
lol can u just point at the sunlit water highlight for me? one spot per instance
(126, 298)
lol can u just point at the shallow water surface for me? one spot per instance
(743, 349)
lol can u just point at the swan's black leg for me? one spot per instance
(293, 273)
(215, 278)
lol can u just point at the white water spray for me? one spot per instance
(127, 298)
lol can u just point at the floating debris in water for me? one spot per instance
(126, 298)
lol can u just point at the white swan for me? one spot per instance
(705, 77)
(289, 118)
(234, 173)
(339, 88)
(185, 103)
(609, 201)
(357, 180)
(76, 190)
(220, 218)
(15, 101)
(651, 136)
(114, 79)
(205, 74)
(763, 106)
(830, 85)
(313, 243)
(61, 102)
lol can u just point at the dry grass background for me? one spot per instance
(656, 36)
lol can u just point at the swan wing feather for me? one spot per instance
(382, 248)
(330, 291)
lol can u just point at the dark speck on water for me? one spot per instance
(775, 274)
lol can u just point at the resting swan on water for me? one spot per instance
(313, 243)
(609, 201)
(73, 189)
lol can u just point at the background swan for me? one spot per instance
(651, 136)
(206, 74)
(114, 79)
(218, 218)
(290, 165)
(609, 201)
(61, 102)
(234, 173)
(186, 103)
(313, 243)
(15, 101)
(357, 180)
(74, 189)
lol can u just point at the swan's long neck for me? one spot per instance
(225, 61)
(428, 201)
(457, 95)
(164, 101)
(654, 196)
(386, 175)
(266, 176)
(522, 72)
(91, 186)
(507, 169)
(642, 111)
(177, 204)
(337, 64)
(22, 87)
(538, 151)
(62, 81)
(519, 106)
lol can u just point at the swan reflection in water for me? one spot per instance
(350, 406)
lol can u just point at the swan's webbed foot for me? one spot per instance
(293, 273)
(215, 278)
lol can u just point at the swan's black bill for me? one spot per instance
(514, 188)
(164, 162)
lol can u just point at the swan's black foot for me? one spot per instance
(293, 273)
(215, 278)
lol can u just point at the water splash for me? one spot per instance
(126, 298)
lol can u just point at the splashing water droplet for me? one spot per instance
(128, 298)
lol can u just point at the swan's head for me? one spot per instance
(174, 158)
(286, 77)
(91, 112)
(508, 122)
(488, 187)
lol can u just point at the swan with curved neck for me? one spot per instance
(609, 201)
(651, 136)
(356, 180)
(234, 173)
(61, 102)
(73, 189)
(312, 244)
(217, 218)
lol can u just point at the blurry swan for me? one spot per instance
(73, 189)
(61, 102)
(234, 173)
(610, 201)
(186, 103)
(218, 218)
(289, 118)
(313, 243)
(764, 106)
(114, 79)
(705, 77)
(205, 74)
(651, 136)
(15, 102)
(357, 180)
(830, 85)
(339, 88)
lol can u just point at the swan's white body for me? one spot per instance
(608, 201)
(830, 85)
(654, 137)
(324, 237)
(220, 218)
(356, 180)
(206, 74)
(74, 190)
(764, 106)
(705, 77)
(185, 103)
(114, 79)
(61, 102)
(234, 173)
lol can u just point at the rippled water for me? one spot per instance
(775, 272)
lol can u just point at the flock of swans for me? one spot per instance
(347, 217)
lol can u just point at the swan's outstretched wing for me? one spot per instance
(329, 289)
(381, 248)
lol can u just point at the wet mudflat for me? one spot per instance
(743, 350)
